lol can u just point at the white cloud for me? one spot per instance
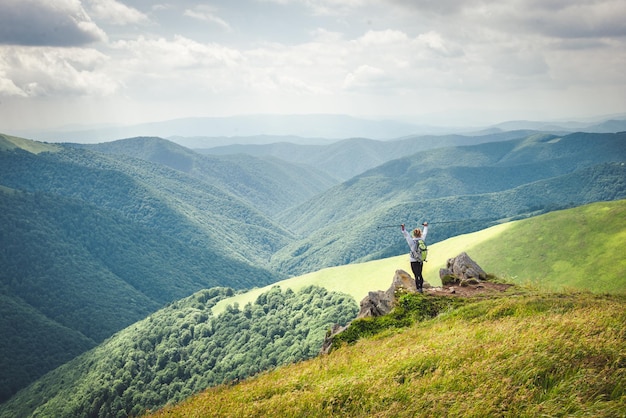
(365, 77)
(207, 14)
(160, 55)
(324, 7)
(115, 13)
(47, 23)
(319, 55)
(46, 72)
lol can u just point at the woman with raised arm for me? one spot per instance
(417, 262)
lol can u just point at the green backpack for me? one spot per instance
(421, 252)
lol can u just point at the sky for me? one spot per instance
(78, 63)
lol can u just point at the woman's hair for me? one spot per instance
(417, 232)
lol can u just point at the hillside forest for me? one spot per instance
(99, 238)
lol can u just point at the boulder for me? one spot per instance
(461, 270)
(380, 302)
(377, 303)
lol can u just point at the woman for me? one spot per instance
(417, 264)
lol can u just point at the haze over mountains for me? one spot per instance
(203, 132)
(98, 236)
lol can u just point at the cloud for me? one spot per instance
(115, 13)
(46, 71)
(577, 19)
(207, 14)
(324, 7)
(47, 23)
(440, 7)
(365, 77)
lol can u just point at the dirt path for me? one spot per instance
(483, 288)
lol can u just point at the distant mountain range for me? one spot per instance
(206, 132)
(97, 236)
(347, 158)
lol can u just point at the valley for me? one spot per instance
(99, 237)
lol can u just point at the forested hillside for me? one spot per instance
(474, 186)
(183, 349)
(188, 346)
(94, 240)
(267, 183)
(94, 243)
(350, 157)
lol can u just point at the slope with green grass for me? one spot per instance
(534, 354)
(580, 248)
(177, 345)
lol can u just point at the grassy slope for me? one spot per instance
(536, 354)
(8, 142)
(581, 248)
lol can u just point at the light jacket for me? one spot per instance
(413, 242)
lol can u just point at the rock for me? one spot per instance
(328, 340)
(447, 278)
(377, 303)
(380, 303)
(462, 269)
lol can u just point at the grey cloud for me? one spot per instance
(443, 7)
(46, 23)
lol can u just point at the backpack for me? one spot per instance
(421, 252)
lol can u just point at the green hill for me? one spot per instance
(350, 157)
(534, 354)
(581, 248)
(23, 357)
(8, 142)
(477, 186)
(192, 345)
(94, 243)
(183, 349)
(267, 183)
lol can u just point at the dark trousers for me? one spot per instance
(417, 266)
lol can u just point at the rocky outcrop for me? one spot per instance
(377, 303)
(461, 270)
(380, 303)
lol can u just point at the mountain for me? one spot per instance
(301, 128)
(267, 184)
(609, 124)
(24, 358)
(309, 126)
(350, 157)
(202, 142)
(94, 242)
(471, 186)
(216, 336)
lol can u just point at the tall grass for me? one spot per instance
(537, 354)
